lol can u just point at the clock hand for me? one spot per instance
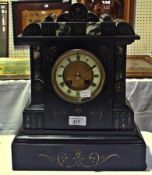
(89, 69)
(78, 56)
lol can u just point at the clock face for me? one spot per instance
(78, 76)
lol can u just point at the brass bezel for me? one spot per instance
(77, 100)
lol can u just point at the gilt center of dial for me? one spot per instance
(78, 75)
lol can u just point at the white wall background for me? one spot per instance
(143, 27)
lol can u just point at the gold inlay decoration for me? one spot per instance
(78, 159)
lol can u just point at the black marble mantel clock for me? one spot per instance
(78, 118)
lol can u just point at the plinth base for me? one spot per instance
(98, 152)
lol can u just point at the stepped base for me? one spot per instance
(102, 152)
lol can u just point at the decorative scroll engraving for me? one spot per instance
(67, 160)
(51, 158)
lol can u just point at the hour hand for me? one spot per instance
(78, 56)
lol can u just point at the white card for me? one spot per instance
(77, 120)
(85, 93)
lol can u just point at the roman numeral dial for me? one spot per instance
(78, 76)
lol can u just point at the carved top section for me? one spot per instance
(78, 13)
(78, 21)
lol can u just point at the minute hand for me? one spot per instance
(89, 69)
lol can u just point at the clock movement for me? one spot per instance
(78, 118)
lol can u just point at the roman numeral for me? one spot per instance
(93, 84)
(62, 84)
(87, 60)
(68, 58)
(96, 75)
(78, 56)
(69, 91)
(78, 94)
(62, 66)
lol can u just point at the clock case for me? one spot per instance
(110, 140)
